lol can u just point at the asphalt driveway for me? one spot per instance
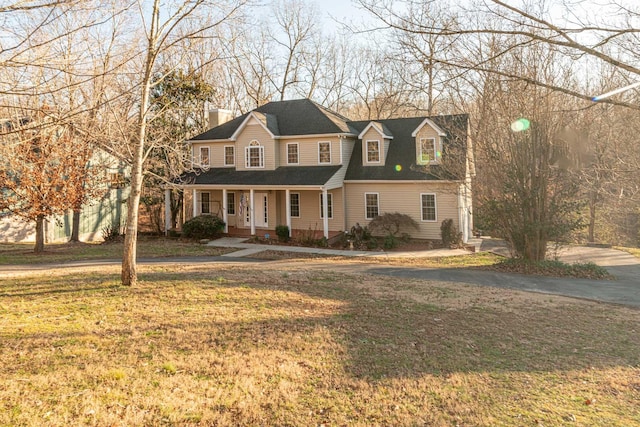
(624, 290)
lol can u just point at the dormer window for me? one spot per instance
(428, 151)
(254, 155)
(373, 151)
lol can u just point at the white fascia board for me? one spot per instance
(429, 122)
(380, 131)
(317, 135)
(399, 181)
(244, 123)
(249, 187)
(198, 141)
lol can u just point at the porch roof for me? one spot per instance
(284, 176)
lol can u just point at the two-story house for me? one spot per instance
(299, 164)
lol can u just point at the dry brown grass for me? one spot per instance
(242, 345)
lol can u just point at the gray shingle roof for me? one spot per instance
(401, 162)
(297, 117)
(284, 175)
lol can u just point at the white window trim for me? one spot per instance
(291, 210)
(377, 204)
(297, 152)
(329, 211)
(435, 151)
(367, 151)
(330, 154)
(229, 193)
(435, 206)
(247, 157)
(200, 162)
(224, 154)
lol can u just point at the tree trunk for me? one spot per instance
(129, 275)
(592, 219)
(39, 248)
(75, 227)
(176, 200)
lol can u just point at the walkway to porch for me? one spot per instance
(248, 249)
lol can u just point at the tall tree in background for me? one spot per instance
(178, 104)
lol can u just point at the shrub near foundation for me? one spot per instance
(203, 227)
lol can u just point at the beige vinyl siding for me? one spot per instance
(255, 131)
(404, 198)
(216, 153)
(427, 132)
(387, 143)
(337, 179)
(347, 150)
(309, 150)
(310, 211)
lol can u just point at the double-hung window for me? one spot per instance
(292, 153)
(205, 205)
(324, 152)
(428, 206)
(231, 203)
(205, 158)
(373, 151)
(254, 155)
(371, 205)
(329, 206)
(229, 155)
(428, 151)
(294, 204)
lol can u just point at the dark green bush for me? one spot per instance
(203, 227)
(390, 241)
(451, 238)
(282, 231)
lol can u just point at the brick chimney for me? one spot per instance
(218, 116)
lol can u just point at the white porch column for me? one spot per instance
(225, 216)
(167, 211)
(252, 218)
(325, 213)
(195, 203)
(288, 209)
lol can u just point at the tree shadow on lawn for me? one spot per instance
(374, 327)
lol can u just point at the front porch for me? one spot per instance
(294, 234)
(258, 211)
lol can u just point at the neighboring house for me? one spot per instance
(299, 164)
(106, 211)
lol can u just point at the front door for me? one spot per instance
(261, 210)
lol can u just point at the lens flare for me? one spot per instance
(520, 125)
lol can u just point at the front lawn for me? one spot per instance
(240, 345)
(22, 253)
